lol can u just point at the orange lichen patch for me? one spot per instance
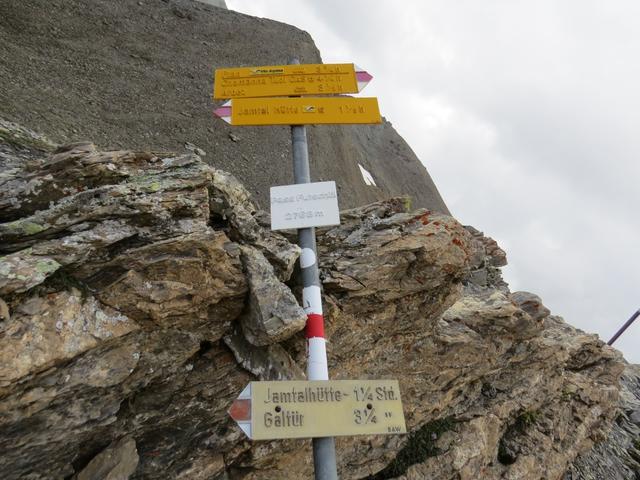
(424, 218)
(240, 410)
(449, 269)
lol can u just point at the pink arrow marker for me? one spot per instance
(224, 111)
(362, 77)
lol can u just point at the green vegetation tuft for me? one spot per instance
(406, 203)
(62, 280)
(508, 447)
(566, 395)
(420, 446)
(525, 420)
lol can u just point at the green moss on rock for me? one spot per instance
(508, 448)
(63, 280)
(420, 446)
(525, 420)
(24, 227)
(47, 266)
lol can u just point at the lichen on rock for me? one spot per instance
(153, 291)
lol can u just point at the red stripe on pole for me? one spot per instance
(315, 325)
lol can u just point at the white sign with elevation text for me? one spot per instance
(304, 205)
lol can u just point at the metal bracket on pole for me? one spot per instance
(324, 450)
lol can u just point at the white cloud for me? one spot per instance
(526, 115)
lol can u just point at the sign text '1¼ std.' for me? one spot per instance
(299, 409)
(300, 111)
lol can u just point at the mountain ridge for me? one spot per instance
(139, 75)
(126, 323)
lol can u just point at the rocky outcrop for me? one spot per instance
(113, 285)
(273, 313)
(142, 291)
(118, 461)
(618, 457)
(140, 75)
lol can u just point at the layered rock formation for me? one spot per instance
(141, 291)
(618, 457)
(139, 74)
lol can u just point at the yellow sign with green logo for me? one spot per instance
(284, 80)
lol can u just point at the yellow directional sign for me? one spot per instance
(300, 111)
(284, 80)
(299, 409)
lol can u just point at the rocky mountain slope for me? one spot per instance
(618, 457)
(128, 330)
(140, 290)
(139, 74)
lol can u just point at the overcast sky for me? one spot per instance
(527, 116)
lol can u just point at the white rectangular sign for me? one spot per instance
(304, 205)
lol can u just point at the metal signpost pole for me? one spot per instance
(624, 327)
(258, 96)
(324, 450)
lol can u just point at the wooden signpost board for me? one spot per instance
(319, 408)
(328, 408)
(300, 111)
(285, 80)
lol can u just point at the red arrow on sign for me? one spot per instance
(240, 410)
